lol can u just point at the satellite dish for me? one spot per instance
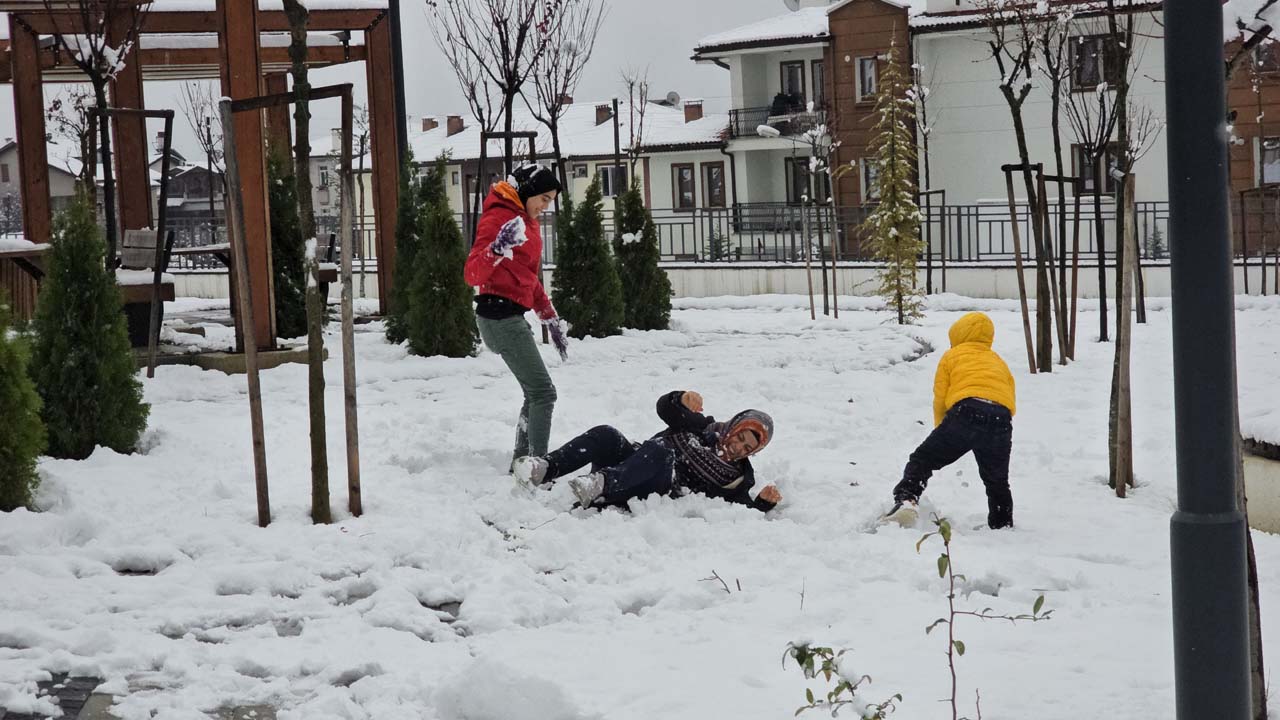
(673, 98)
(792, 5)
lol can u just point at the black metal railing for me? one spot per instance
(743, 122)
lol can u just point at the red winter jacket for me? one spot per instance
(516, 278)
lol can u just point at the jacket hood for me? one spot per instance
(504, 194)
(975, 327)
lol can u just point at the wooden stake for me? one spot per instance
(1022, 282)
(1075, 272)
(157, 301)
(241, 255)
(1047, 246)
(1122, 472)
(354, 501)
(808, 267)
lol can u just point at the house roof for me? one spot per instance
(806, 25)
(971, 17)
(664, 129)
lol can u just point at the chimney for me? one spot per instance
(429, 124)
(160, 142)
(692, 110)
(336, 135)
(454, 125)
(604, 114)
(566, 99)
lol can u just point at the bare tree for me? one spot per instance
(1012, 42)
(360, 139)
(1253, 31)
(505, 39)
(299, 16)
(69, 114)
(1055, 66)
(637, 84)
(101, 58)
(559, 69)
(199, 107)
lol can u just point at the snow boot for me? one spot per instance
(587, 488)
(530, 470)
(904, 513)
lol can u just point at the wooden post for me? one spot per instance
(241, 254)
(808, 266)
(157, 300)
(28, 111)
(1022, 282)
(279, 128)
(386, 170)
(1122, 471)
(354, 501)
(1047, 242)
(129, 131)
(1075, 269)
(241, 78)
(320, 512)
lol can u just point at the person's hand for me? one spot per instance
(510, 236)
(692, 400)
(557, 328)
(770, 494)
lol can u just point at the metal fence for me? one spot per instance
(775, 232)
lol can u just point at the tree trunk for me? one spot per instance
(558, 157)
(1121, 452)
(360, 236)
(108, 174)
(298, 15)
(315, 391)
(1099, 232)
(1056, 124)
(1044, 318)
(508, 104)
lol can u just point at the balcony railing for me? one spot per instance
(744, 121)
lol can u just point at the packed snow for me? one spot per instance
(460, 596)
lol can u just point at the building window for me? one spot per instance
(682, 187)
(454, 179)
(870, 181)
(797, 172)
(1093, 62)
(4, 172)
(324, 176)
(819, 83)
(613, 179)
(713, 194)
(793, 82)
(868, 75)
(1269, 156)
(1082, 163)
(580, 171)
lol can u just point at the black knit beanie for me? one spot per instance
(533, 180)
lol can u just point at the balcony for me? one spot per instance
(795, 120)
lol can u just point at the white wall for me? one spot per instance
(754, 78)
(662, 179)
(973, 132)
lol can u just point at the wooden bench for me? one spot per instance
(139, 252)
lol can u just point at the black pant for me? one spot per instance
(630, 470)
(987, 430)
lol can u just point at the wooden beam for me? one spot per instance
(28, 111)
(200, 22)
(279, 124)
(386, 172)
(242, 78)
(188, 63)
(129, 133)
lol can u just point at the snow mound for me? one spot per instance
(489, 689)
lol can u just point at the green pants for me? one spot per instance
(512, 338)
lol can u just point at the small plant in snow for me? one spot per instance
(955, 646)
(845, 695)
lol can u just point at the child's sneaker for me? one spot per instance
(904, 513)
(530, 470)
(587, 488)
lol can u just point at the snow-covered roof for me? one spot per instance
(580, 136)
(974, 15)
(804, 25)
(268, 5)
(182, 41)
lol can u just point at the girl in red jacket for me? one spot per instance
(504, 267)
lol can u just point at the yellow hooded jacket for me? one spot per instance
(971, 369)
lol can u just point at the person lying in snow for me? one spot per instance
(973, 406)
(694, 454)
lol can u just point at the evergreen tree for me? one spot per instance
(646, 289)
(588, 293)
(287, 248)
(23, 438)
(409, 218)
(1156, 248)
(83, 367)
(437, 315)
(893, 228)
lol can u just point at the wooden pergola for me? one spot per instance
(242, 45)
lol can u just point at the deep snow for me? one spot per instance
(607, 614)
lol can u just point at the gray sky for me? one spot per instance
(657, 34)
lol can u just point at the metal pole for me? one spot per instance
(1207, 532)
(397, 74)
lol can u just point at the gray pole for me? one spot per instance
(1210, 614)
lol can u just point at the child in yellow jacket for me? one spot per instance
(973, 407)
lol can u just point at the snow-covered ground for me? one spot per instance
(608, 614)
